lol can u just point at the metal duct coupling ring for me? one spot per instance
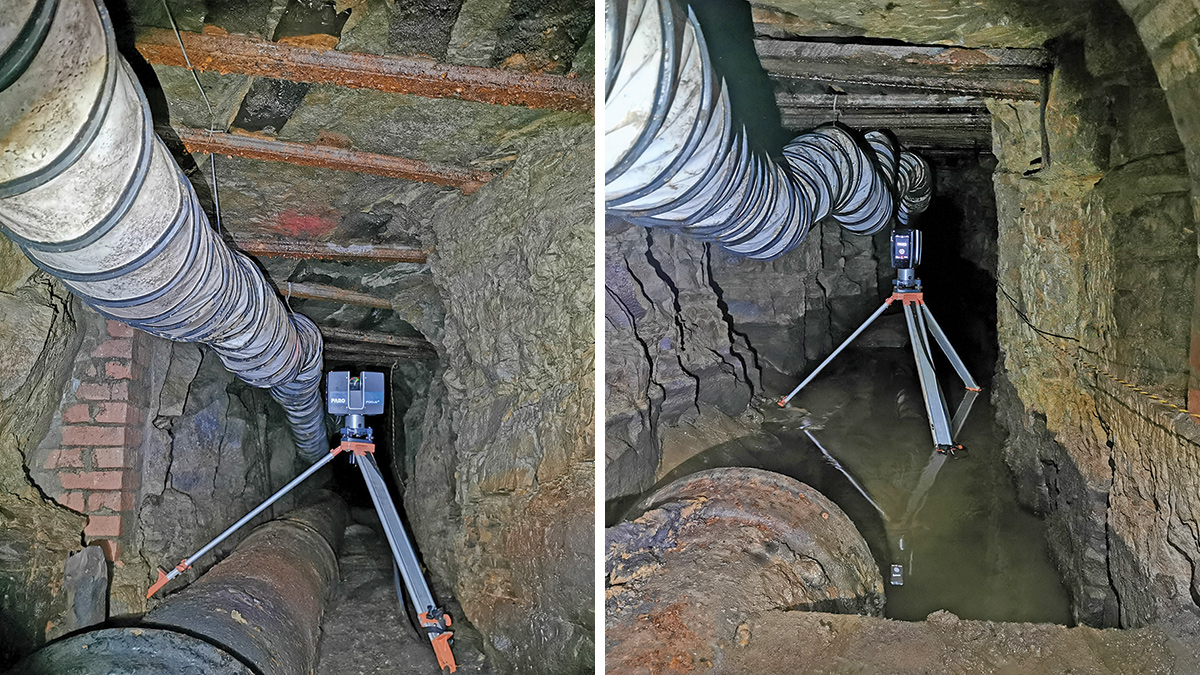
(674, 160)
(94, 198)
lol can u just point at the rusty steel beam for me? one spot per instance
(329, 157)
(320, 250)
(332, 294)
(225, 53)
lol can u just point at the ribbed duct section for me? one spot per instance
(674, 160)
(94, 198)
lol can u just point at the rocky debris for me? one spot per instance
(778, 641)
(716, 548)
(366, 629)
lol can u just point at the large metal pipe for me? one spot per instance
(94, 198)
(674, 160)
(258, 611)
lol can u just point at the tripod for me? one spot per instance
(921, 325)
(358, 443)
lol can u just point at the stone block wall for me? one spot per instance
(90, 459)
(1097, 244)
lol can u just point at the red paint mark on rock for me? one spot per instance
(294, 222)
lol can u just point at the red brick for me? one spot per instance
(120, 348)
(92, 480)
(114, 413)
(65, 457)
(112, 549)
(91, 391)
(72, 500)
(120, 391)
(103, 526)
(118, 371)
(119, 330)
(77, 413)
(109, 458)
(90, 435)
(107, 499)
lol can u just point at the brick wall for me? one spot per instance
(88, 461)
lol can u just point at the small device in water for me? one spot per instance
(897, 576)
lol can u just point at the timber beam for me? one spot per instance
(981, 73)
(226, 53)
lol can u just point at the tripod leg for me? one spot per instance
(164, 577)
(402, 550)
(856, 333)
(964, 409)
(944, 343)
(935, 403)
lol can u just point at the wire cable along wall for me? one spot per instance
(94, 198)
(674, 160)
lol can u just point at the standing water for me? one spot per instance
(954, 523)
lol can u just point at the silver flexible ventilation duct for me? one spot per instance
(674, 160)
(94, 198)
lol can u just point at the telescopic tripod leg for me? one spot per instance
(887, 303)
(432, 618)
(935, 403)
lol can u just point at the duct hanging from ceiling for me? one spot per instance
(674, 160)
(94, 198)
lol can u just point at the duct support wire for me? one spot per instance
(94, 198)
(674, 160)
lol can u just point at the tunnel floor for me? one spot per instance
(365, 630)
(969, 547)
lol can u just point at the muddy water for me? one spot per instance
(966, 546)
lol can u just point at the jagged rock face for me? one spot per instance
(1098, 244)
(37, 342)
(715, 550)
(500, 483)
(670, 347)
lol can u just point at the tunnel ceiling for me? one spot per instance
(922, 68)
(339, 128)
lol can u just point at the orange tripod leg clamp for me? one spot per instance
(441, 649)
(440, 641)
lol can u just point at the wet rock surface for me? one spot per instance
(716, 548)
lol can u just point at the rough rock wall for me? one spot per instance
(1097, 243)
(670, 348)
(501, 452)
(38, 340)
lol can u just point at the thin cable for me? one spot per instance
(212, 115)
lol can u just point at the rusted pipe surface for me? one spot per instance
(258, 611)
(329, 157)
(717, 547)
(320, 250)
(226, 53)
(265, 601)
